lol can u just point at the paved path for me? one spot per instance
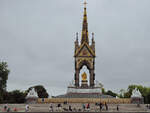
(77, 107)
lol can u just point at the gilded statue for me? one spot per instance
(84, 76)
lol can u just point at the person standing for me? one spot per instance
(101, 106)
(27, 108)
(70, 109)
(83, 106)
(51, 108)
(5, 107)
(8, 109)
(117, 107)
(15, 109)
(106, 106)
(88, 106)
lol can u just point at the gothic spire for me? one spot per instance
(84, 37)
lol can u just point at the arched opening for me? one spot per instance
(83, 66)
(82, 70)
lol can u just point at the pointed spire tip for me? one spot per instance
(85, 3)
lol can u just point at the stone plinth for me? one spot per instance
(84, 90)
(84, 84)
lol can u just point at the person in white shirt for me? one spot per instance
(27, 108)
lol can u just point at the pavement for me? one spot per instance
(76, 107)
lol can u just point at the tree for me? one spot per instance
(111, 93)
(103, 91)
(4, 71)
(122, 91)
(15, 96)
(148, 98)
(42, 93)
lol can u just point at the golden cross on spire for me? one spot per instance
(85, 3)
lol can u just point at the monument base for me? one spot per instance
(84, 90)
(80, 92)
(84, 84)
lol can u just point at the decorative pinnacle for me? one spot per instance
(92, 35)
(84, 37)
(77, 36)
(85, 3)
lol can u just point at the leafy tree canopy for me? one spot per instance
(15, 96)
(4, 71)
(111, 93)
(42, 93)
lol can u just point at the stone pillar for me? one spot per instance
(92, 78)
(77, 78)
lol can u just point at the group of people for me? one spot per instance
(85, 107)
(60, 107)
(101, 106)
(6, 108)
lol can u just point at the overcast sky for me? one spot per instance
(37, 40)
